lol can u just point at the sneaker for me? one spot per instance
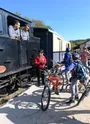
(70, 101)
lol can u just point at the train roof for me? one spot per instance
(51, 32)
(15, 15)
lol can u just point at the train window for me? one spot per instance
(11, 20)
(1, 25)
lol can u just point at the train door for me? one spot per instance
(23, 53)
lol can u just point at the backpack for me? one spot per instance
(81, 72)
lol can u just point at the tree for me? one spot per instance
(49, 27)
(35, 22)
(76, 43)
(27, 18)
(39, 23)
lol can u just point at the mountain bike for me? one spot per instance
(53, 82)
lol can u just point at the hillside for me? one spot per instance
(76, 43)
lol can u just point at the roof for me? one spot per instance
(56, 34)
(51, 32)
(15, 15)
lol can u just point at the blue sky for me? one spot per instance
(69, 18)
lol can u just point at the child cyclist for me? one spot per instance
(75, 77)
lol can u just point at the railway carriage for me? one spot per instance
(52, 43)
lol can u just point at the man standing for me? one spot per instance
(40, 62)
(84, 56)
(67, 61)
(25, 33)
(14, 31)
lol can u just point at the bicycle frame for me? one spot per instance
(55, 81)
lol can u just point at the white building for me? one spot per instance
(86, 43)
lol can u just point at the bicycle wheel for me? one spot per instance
(84, 94)
(45, 99)
(87, 91)
(61, 84)
(68, 87)
(82, 97)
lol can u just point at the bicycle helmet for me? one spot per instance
(75, 56)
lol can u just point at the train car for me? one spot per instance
(52, 43)
(15, 55)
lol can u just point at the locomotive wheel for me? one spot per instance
(3, 92)
(23, 82)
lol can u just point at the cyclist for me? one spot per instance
(74, 79)
(67, 61)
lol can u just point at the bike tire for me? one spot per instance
(68, 87)
(84, 94)
(82, 97)
(48, 100)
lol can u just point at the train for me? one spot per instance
(18, 56)
(15, 55)
(52, 43)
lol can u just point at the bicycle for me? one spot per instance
(85, 92)
(85, 88)
(52, 83)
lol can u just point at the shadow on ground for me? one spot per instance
(25, 109)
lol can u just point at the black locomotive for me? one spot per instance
(15, 55)
(18, 55)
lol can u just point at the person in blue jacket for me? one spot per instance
(74, 80)
(67, 61)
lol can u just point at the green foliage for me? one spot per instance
(27, 18)
(76, 43)
(39, 23)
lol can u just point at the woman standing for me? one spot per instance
(40, 62)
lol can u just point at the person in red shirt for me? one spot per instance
(40, 63)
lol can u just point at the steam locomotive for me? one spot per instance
(17, 56)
